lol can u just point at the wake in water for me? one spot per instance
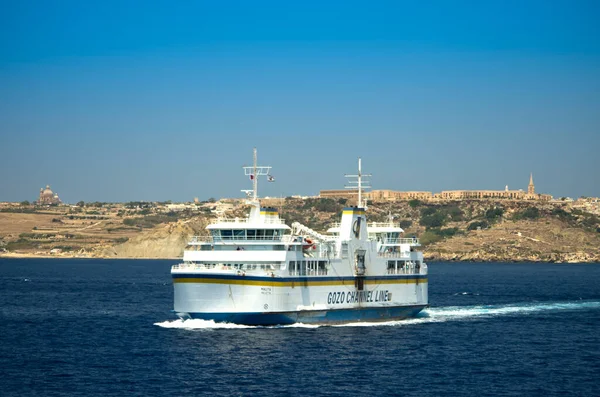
(431, 315)
(210, 324)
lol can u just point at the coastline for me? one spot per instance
(482, 256)
(63, 256)
(577, 258)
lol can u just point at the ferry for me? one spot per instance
(259, 271)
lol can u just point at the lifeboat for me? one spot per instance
(308, 244)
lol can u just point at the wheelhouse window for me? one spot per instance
(393, 237)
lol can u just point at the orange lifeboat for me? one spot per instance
(308, 244)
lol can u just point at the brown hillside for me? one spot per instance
(477, 230)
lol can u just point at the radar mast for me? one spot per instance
(254, 172)
(359, 184)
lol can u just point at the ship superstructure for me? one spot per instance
(259, 271)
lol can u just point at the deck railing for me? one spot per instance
(383, 224)
(286, 239)
(370, 224)
(406, 270)
(398, 254)
(228, 266)
(211, 239)
(267, 219)
(412, 241)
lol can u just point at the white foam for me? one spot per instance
(394, 323)
(193, 324)
(199, 324)
(431, 315)
(458, 312)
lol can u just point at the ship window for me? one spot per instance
(269, 233)
(344, 250)
(239, 233)
(251, 234)
(260, 233)
(226, 233)
(322, 268)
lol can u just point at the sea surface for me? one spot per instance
(84, 327)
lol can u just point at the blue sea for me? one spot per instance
(81, 327)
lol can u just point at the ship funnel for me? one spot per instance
(354, 224)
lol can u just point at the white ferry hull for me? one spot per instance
(335, 316)
(255, 300)
(259, 271)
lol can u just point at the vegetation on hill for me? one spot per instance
(449, 230)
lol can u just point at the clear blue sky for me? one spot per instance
(123, 101)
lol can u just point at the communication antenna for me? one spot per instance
(390, 218)
(359, 184)
(254, 172)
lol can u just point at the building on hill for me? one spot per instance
(480, 194)
(531, 186)
(588, 204)
(340, 193)
(495, 194)
(376, 195)
(392, 195)
(48, 197)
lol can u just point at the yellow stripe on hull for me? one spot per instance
(300, 283)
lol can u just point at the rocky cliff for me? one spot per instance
(164, 241)
(542, 240)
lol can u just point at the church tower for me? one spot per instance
(531, 187)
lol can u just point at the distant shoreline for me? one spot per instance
(34, 256)
(516, 261)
